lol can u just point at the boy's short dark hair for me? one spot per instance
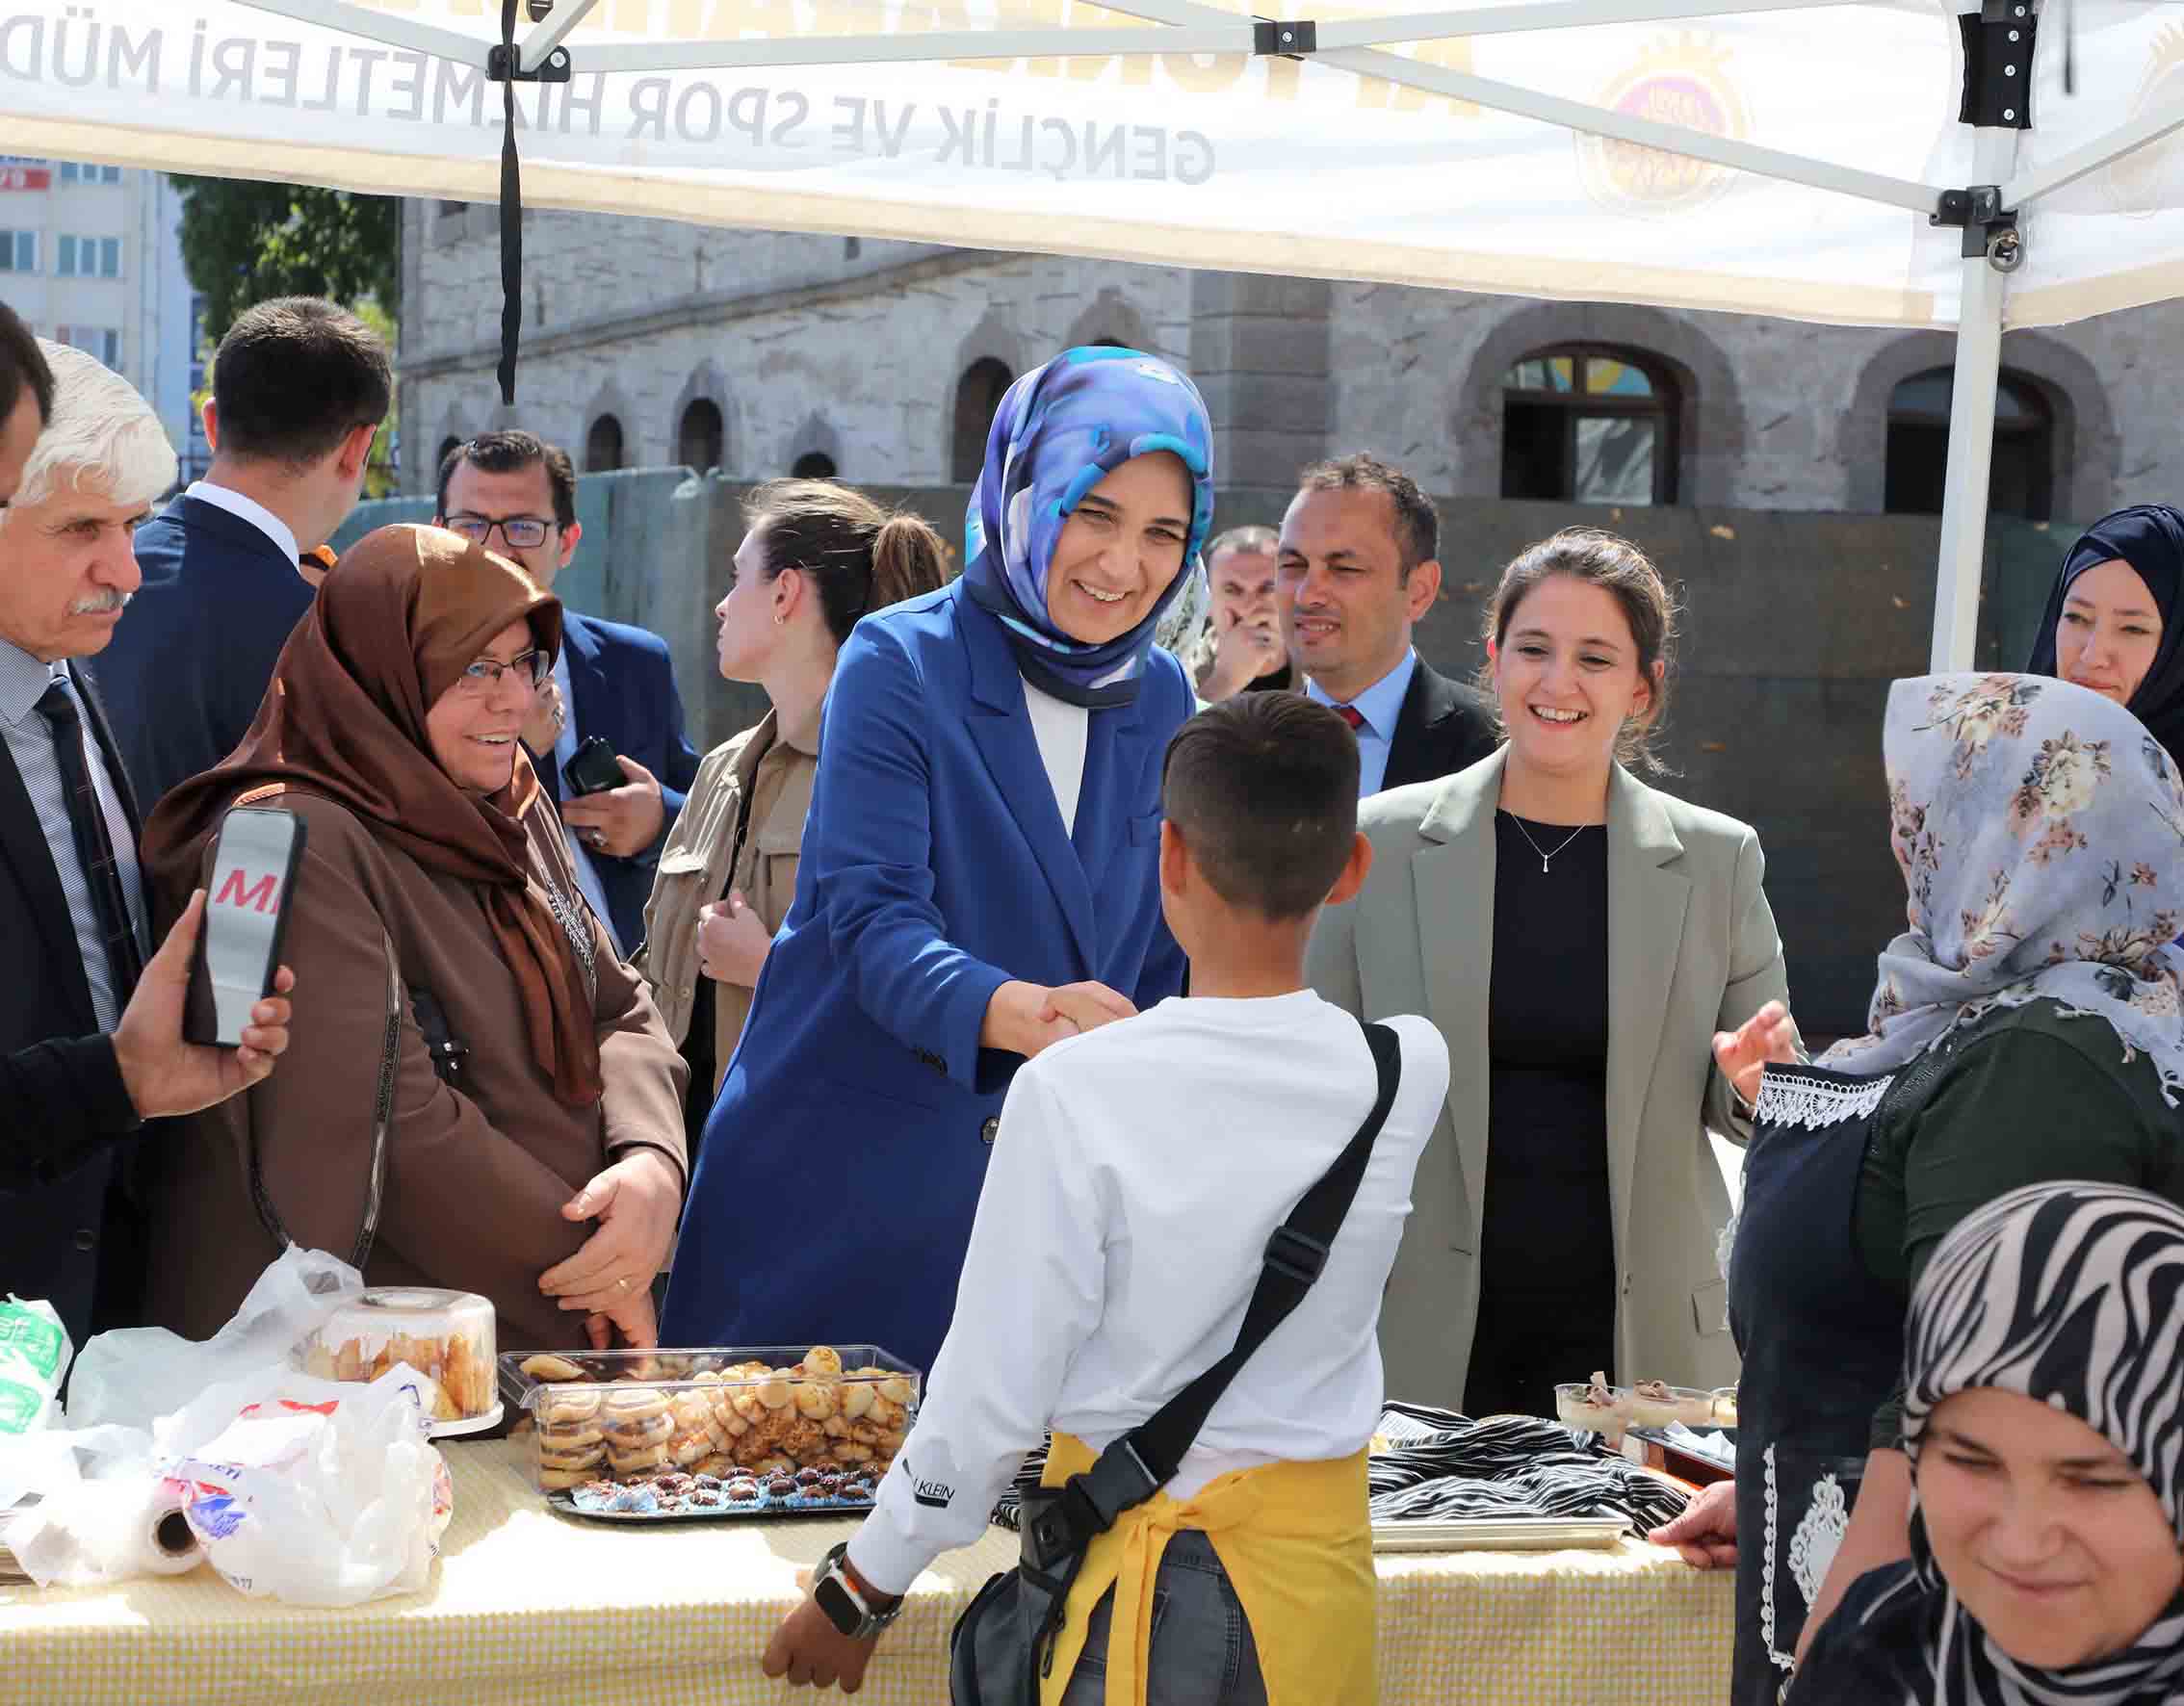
(1264, 789)
(509, 453)
(23, 364)
(295, 377)
(1417, 523)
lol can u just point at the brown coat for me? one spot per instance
(475, 1178)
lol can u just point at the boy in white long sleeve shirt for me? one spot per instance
(1136, 1177)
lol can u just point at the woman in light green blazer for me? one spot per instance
(1601, 960)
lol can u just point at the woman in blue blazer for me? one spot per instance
(978, 875)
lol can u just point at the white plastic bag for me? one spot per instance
(329, 1499)
(135, 1374)
(33, 1356)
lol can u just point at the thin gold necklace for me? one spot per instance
(1535, 846)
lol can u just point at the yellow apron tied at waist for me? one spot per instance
(1296, 1541)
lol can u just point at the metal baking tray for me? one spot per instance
(1500, 1533)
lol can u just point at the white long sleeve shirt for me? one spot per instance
(1137, 1174)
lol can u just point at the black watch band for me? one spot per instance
(846, 1608)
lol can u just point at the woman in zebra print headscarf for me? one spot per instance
(2044, 1416)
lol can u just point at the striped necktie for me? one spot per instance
(94, 843)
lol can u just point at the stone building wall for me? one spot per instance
(855, 349)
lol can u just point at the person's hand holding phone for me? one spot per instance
(622, 822)
(165, 1074)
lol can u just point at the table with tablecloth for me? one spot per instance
(531, 1608)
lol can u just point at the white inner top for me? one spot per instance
(1061, 729)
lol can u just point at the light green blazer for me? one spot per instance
(1692, 949)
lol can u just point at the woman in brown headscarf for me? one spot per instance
(480, 1075)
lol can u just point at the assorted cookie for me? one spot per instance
(693, 1432)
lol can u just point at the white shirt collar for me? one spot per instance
(247, 509)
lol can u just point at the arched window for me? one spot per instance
(977, 394)
(2024, 477)
(813, 465)
(698, 440)
(1583, 425)
(603, 446)
(448, 447)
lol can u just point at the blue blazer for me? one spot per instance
(622, 683)
(187, 667)
(842, 1160)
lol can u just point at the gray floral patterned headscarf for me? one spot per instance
(2041, 831)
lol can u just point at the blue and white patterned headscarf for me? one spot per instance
(1061, 430)
(2041, 831)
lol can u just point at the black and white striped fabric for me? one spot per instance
(2072, 1294)
(1501, 1467)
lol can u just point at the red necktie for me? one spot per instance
(1350, 715)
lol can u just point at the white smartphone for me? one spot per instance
(253, 873)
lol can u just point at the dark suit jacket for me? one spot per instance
(53, 1201)
(1443, 727)
(184, 675)
(623, 685)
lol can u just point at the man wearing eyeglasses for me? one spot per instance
(515, 494)
(299, 387)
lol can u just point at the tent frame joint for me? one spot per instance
(504, 65)
(1990, 230)
(1283, 39)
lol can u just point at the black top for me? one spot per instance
(1274, 680)
(1547, 1187)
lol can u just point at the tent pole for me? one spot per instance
(376, 26)
(1971, 431)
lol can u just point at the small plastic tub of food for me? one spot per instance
(1655, 1404)
(1725, 1406)
(445, 1335)
(770, 1431)
(1592, 1408)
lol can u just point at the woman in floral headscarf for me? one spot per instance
(2025, 1028)
(978, 879)
(2044, 1423)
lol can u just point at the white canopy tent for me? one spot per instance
(1886, 162)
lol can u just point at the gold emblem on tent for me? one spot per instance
(1680, 80)
(2152, 179)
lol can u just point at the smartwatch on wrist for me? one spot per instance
(846, 1602)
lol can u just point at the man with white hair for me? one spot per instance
(72, 910)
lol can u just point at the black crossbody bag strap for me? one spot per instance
(1143, 1460)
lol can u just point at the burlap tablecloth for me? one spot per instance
(531, 1608)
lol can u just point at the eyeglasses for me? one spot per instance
(484, 675)
(523, 532)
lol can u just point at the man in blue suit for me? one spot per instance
(300, 388)
(516, 495)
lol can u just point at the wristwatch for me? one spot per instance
(846, 1600)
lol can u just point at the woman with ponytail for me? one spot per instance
(816, 557)
(978, 878)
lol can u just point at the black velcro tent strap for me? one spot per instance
(511, 212)
(1294, 1255)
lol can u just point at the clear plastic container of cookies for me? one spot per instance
(446, 1336)
(763, 1431)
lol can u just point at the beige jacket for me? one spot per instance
(694, 869)
(1692, 949)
